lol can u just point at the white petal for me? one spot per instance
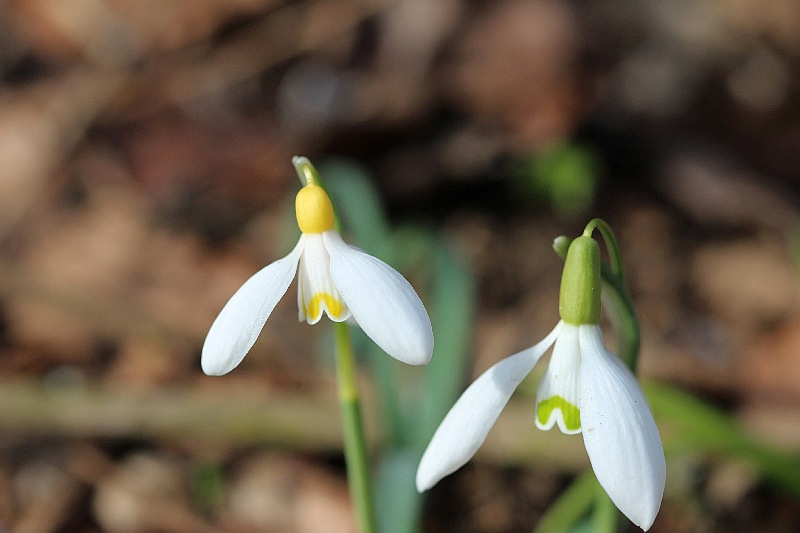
(238, 325)
(383, 303)
(620, 434)
(465, 427)
(316, 291)
(558, 398)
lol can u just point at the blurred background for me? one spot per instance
(145, 173)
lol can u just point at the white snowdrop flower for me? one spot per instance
(334, 278)
(586, 389)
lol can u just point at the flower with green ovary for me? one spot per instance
(586, 389)
(333, 278)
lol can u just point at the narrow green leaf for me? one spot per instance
(689, 424)
(571, 507)
(358, 204)
(399, 505)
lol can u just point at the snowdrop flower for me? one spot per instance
(586, 389)
(333, 278)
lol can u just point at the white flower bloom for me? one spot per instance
(618, 429)
(334, 278)
(586, 389)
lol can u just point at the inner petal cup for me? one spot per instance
(316, 291)
(558, 397)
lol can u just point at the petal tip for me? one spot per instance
(419, 357)
(646, 519)
(430, 472)
(212, 369)
(414, 348)
(422, 483)
(222, 352)
(212, 364)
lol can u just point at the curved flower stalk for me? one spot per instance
(334, 278)
(586, 389)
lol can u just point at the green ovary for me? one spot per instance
(569, 411)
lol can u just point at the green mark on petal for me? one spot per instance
(569, 411)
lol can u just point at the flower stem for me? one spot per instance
(614, 255)
(623, 316)
(355, 447)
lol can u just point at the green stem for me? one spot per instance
(355, 447)
(614, 255)
(623, 316)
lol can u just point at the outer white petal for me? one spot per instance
(620, 434)
(381, 300)
(558, 398)
(465, 427)
(238, 325)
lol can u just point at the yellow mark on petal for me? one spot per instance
(334, 307)
(569, 411)
(314, 210)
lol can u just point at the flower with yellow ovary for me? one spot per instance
(334, 278)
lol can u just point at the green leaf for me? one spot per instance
(571, 507)
(398, 503)
(690, 424)
(358, 205)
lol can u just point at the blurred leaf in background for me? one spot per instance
(565, 176)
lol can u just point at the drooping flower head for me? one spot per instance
(334, 278)
(586, 389)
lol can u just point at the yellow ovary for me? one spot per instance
(314, 210)
(334, 307)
